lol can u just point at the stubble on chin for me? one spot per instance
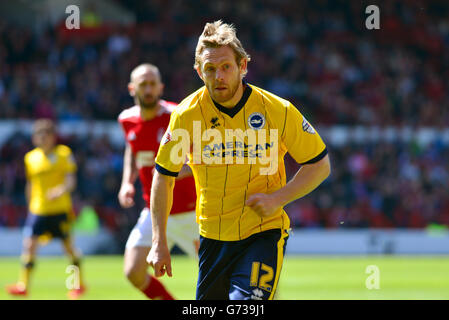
(147, 106)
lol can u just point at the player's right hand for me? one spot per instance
(126, 195)
(159, 259)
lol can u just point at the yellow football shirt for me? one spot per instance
(235, 153)
(45, 172)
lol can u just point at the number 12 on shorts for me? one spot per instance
(264, 278)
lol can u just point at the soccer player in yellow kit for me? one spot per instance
(50, 172)
(235, 136)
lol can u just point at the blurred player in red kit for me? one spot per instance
(144, 126)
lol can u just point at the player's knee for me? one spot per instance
(135, 274)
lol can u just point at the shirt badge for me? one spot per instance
(256, 121)
(307, 127)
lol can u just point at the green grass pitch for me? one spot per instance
(302, 278)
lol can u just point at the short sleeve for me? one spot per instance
(70, 162)
(302, 141)
(173, 148)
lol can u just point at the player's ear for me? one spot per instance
(162, 87)
(198, 70)
(243, 66)
(131, 90)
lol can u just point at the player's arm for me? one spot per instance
(167, 168)
(305, 145)
(130, 174)
(160, 207)
(67, 186)
(306, 179)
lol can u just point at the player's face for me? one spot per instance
(146, 89)
(221, 73)
(44, 139)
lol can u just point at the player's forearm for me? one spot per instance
(305, 181)
(161, 203)
(130, 172)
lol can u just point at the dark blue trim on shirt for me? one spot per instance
(317, 158)
(234, 110)
(164, 171)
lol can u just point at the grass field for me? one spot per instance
(302, 278)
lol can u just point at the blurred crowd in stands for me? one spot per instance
(318, 54)
(384, 185)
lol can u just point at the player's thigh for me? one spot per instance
(255, 275)
(182, 230)
(215, 262)
(141, 234)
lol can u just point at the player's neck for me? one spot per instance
(231, 103)
(148, 114)
(47, 149)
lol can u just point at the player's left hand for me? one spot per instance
(264, 204)
(55, 193)
(159, 259)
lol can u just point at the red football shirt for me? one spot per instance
(144, 138)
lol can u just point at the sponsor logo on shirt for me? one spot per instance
(167, 137)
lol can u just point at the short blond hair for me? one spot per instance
(218, 34)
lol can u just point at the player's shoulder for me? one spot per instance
(32, 154)
(269, 98)
(129, 114)
(63, 150)
(191, 102)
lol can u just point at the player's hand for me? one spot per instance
(159, 259)
(126, 195)
(55, 193)
(264, 204)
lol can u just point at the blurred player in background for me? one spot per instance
(243, 227)
(144, 125)
(50, 172)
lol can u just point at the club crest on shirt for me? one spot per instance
(307, 127)
(256, 121)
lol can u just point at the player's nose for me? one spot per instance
(219, 75)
